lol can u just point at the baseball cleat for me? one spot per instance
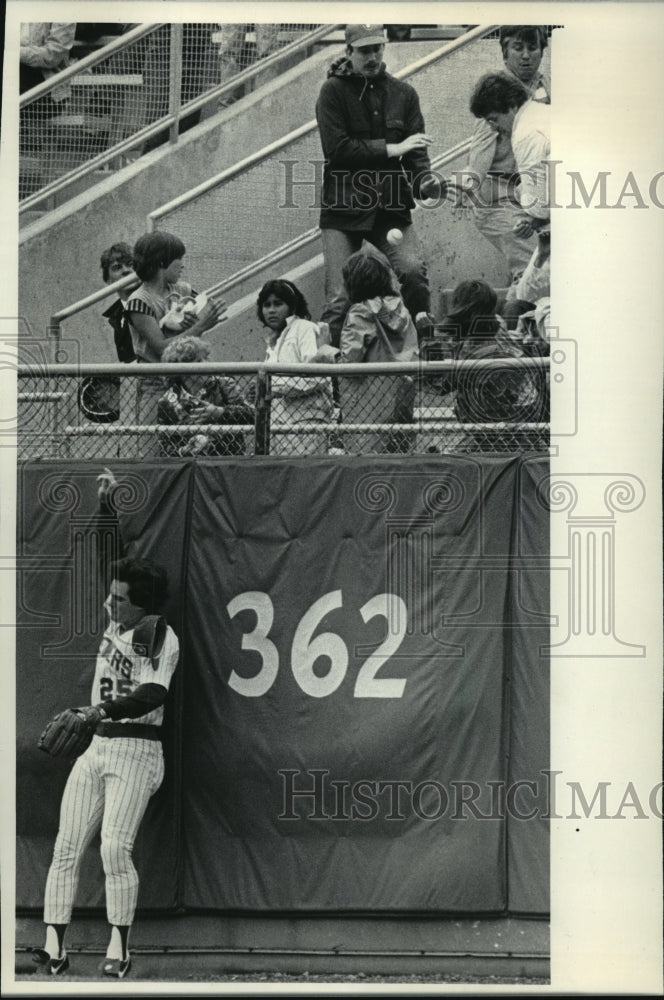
(116, 967)
(53, 966)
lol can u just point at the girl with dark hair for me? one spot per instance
(292, 338)
(378, 327)
(159, 263)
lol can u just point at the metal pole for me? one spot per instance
(262, 425)
(175, 80)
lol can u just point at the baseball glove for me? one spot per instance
(69, 734)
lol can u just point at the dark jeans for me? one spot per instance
(405, 257)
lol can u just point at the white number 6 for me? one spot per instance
(305, 651)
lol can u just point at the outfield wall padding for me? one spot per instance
(363, 677)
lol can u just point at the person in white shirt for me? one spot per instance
(292, 338)
(491, 164)
(505, 104)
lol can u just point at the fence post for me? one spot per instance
(175, 80)
(262, 424)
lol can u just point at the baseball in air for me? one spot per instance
(394, 236)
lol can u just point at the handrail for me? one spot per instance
(309, 126)
(298, 243)
(170, 119)
(243, 367)
(81, 65)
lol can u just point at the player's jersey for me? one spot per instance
(121, 669)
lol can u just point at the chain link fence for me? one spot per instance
(105, 110)
(137, 411)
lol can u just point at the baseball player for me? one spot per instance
(111, 782)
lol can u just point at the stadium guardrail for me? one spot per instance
(82, 411)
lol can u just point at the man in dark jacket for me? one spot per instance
(375, 146)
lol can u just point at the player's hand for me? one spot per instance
(106, 482)
(413, 142)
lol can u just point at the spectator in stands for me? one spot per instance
(292, 338)
(501, 100)
(509, 394)
(492, 168)
(44, 50)
(377, 328)
(200, 399)
(118, 262)
(159, 263)
(375, 147)
(235, 54)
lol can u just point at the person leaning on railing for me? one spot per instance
(200, 400)
(159, 263)
(504, 394)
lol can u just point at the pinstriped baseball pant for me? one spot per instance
(109, 786)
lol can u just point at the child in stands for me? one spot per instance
(292, 338)
(511, 394)
(377, 328)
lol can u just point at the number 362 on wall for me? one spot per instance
(305, 650)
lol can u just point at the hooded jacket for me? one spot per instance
(357, 117)
(379, 329)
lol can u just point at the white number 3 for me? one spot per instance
(260, 603)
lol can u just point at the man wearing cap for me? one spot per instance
(375, 147)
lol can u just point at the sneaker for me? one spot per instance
(52, 966)
(116, 967)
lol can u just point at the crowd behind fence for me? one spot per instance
(242, 408)
(142, 89)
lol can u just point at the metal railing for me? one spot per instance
(142, 89)
(244, 408)
(274, 257)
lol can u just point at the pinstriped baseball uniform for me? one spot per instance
(111, 783)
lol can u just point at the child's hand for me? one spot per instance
(523, 228)
(212, 313)
(206, 413)
(326, 354)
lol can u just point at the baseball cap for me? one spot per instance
(365, 34)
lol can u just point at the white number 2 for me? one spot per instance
(260, 603)
(394, 610)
